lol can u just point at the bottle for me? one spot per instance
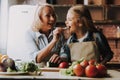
(118, 32)
(85, 2)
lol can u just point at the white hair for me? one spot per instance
(37, 23)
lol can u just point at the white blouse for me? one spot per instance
(81, 39)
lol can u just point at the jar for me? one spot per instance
(118, 32)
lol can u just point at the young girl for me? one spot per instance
(82, 29)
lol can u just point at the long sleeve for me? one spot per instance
(104, 47)
(65, 52)
(32, 48)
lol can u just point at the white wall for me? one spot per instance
(3, 26)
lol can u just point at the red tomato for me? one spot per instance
(63, 65)
(78, 70)
(91, 71)
(92, 61)
(84, 63)
(102, 70)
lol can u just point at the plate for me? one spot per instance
(52, 69)
(13, 73)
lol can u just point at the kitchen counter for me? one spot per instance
(55, 75)
(113, 65)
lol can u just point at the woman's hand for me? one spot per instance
(56, 33)
(55, 59)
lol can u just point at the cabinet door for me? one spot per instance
(96, 12)
(113, 13)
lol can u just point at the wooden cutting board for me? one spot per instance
(50, 69)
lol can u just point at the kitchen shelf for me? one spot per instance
(104, 22)
(98, 22)
(106, 14)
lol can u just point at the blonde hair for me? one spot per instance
(84, 15)
(37, 23)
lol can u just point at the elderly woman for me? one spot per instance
(82, 29)
(43, 40)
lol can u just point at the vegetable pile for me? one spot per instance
(28, 67)
(85, 68)
(7, 64)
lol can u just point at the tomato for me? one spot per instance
(92, 61)
(102, 70)
(78, 70)
(91, 71)
(84, 63)
(63, 65)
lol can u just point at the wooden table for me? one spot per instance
(55, 75)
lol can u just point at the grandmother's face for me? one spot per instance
(72, 21)
(48, 18)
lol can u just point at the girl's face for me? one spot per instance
(48, 18)
(72, 21)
